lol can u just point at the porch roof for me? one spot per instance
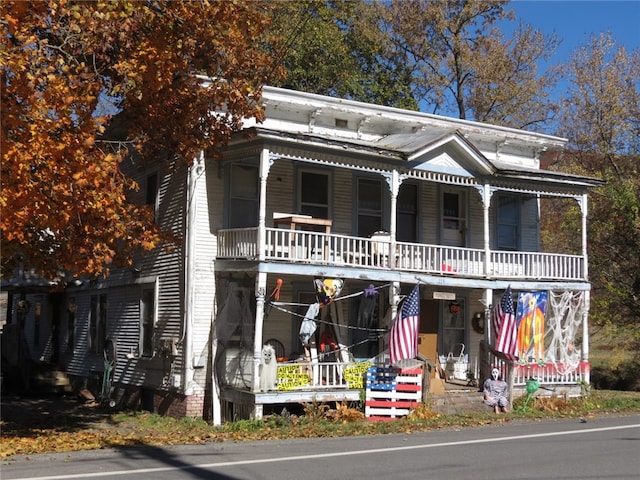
(422, 150)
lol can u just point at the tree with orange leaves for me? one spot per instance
(68, 69)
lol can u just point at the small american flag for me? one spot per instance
(403, 337)
(506, 333)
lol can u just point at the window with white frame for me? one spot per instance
(97, 323)
(313, 193)
(507, 216)
(243, 199)
(147, 319)
(454, 217)
(369, 206)
(407, 213)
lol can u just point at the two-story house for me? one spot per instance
(306, 236)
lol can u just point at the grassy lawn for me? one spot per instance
(130, 429)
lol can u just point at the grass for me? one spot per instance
(130, 429)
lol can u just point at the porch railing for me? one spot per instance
(311, 375)
(549, 374)
(299, 246)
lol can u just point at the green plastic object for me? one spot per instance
(532, 386)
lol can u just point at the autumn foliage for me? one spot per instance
(71, 73)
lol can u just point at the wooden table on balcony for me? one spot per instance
(305, 222)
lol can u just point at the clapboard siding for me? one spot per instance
(428, 210)
(123, 288)
(202, 281)
(280, 189)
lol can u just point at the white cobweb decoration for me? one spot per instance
(564, 324)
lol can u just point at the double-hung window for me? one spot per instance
(244, 187)
(407, 213)
(369, 206)
(314, 194)
(147, 319)
(507, 215)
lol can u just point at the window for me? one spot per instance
(151, 190)
(453, 218)
(97, 323)
(507, 222)
(369, 205)
(243, 196)
(407, 213)
(147, 320)
(314, 194)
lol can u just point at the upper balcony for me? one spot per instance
(380, 251)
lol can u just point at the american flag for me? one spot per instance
(403, 337)
(506, 332)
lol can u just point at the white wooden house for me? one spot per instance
(377, 198)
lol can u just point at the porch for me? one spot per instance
(331, 249)
(326, 382)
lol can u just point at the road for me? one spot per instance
(605, 447)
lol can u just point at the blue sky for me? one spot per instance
(574, 21)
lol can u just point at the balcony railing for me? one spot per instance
(298, 246)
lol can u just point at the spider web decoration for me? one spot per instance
(233, 330)
(563, 326)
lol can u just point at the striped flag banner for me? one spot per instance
(507, 331)
(403, 337)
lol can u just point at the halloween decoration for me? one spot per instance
(327, 289)
(268, 369)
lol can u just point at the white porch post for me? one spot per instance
(261, 288)
(587, 294)
(585, 329)
(394, 182)
(583, 207)
(265, 164)
(261, 278)
(486, 203)
(488, 299)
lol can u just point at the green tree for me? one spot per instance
(447, 57)
(336, 48)
(600, 116)
(462, 65)
(67, 68)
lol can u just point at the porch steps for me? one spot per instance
(454, 402)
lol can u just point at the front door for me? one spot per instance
(428, 337)
(453, 327)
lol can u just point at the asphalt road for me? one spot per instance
(606, 447)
